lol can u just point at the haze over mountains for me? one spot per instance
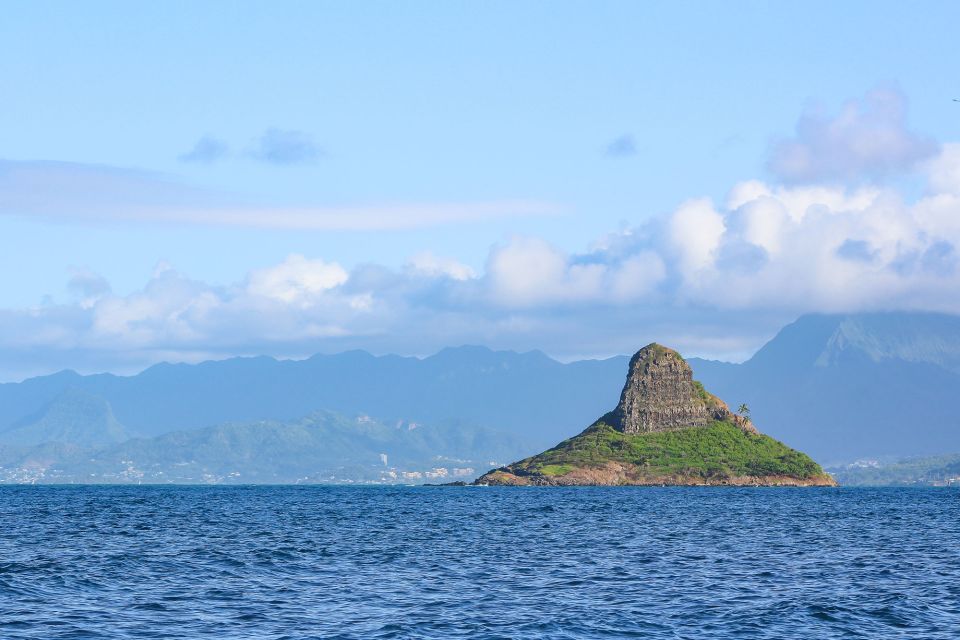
(847, 386)
(839, 387)
(527, 394)
(255, 419)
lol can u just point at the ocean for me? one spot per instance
(420, 562)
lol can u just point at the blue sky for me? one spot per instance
(217, 140)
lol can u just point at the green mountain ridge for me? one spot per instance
(73, 417)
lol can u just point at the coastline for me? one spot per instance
(614, 474)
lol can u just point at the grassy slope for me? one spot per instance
(718, 450)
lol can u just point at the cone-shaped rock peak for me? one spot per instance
(660, 394)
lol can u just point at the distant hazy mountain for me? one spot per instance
(322, 447)
(537, 399)
(847, 386)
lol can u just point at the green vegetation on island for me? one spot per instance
(717, 451)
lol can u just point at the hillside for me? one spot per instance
(932, 471)
(74, 417)
(323, 447)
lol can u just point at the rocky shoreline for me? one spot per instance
(616, 475)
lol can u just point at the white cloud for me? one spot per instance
(837, 251)
(427, 264)
(637, 276)
(526, 272)
(296, 280)
(760, 222)
(529, 272)
(169, 310)
(944, 170)
(694, 233)
(868, 139)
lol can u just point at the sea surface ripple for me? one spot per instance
(328, 562)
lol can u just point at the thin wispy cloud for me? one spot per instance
(70, 190)
(207, 150)
(79, 192)
(376, 217)
(286, 147)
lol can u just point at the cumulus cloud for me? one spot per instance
(286, 147)
(869, 139)
(429, 265)
(843, 251)
(785, 249)
(529, 272)
(206, 150)
(944, 171)
(636, 277)
(694, 233)
(296, 279)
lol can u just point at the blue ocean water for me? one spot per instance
(327, 562)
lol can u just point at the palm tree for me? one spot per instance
(744, 410)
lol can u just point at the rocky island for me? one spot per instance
(666, 430)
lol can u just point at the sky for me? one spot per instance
(182, 181)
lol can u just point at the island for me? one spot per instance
(666, 430)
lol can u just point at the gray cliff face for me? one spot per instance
(660, 395)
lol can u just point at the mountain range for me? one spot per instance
(330, 417)
(526, 394)
(839, 387)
